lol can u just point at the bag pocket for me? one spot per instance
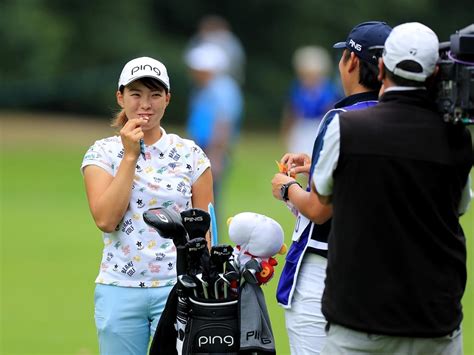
(213, 327)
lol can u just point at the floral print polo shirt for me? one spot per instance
(135, 255)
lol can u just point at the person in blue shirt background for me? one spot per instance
(310, 96)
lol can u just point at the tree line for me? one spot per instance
(66, 55)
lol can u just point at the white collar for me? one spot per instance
(163, 143)
(404, 88)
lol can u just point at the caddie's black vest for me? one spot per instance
(397, 256)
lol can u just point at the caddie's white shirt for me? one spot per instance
(322, 177)
(135, 255)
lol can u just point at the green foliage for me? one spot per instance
(25, 44)
(66, 55)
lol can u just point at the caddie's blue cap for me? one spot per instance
(365, 37)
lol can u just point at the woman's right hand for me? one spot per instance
(130, 134)
(297, 163)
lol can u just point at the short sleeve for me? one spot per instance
(200, 163)
(96, 155)
(327, 158)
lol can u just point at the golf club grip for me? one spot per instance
(212, 214)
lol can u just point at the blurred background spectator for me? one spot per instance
(215, 108)
(216, 29)
(310, 96)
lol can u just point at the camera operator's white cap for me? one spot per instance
(144, 67)
(207, 57)
(411, 41)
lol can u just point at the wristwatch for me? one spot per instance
(284, 189)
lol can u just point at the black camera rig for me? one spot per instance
(455, 79)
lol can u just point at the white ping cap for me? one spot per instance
(144, 67)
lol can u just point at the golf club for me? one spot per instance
(219, 255)
(229, 278)
(249, 272)
(204, 285)
(188, 282)
(168, 223)
(198, 261)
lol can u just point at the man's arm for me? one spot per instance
(305, 202)
(324, 200)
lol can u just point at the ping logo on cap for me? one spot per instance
(145, 67)
(356, 46)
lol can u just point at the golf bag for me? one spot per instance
(202, 313)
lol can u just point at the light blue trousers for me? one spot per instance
(126, 317)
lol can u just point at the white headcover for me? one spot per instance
(259, 235)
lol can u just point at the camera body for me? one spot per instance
(455, 79)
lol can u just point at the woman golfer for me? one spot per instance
(124, 178)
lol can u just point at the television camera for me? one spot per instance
(455, 79)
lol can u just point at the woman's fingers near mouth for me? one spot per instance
(142, 120)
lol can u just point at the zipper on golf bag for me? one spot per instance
(213, 327)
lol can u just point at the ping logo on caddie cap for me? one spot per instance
(145, 67)
(356, 46)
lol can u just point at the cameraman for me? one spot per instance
(398, 179)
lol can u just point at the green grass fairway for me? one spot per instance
(51, 249)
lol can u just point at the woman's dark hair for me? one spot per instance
(150, 83)
(368, 72)
(121, 118)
